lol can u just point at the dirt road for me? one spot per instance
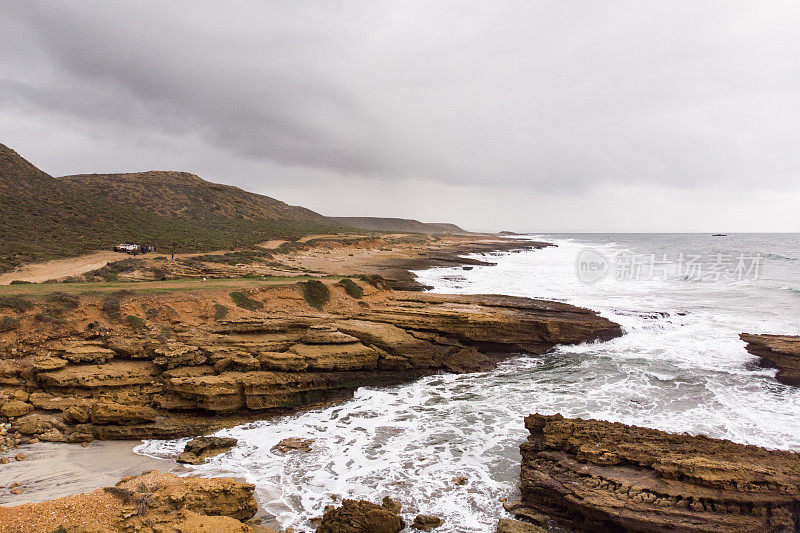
(61, 268)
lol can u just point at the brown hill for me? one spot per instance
(187, 196)
(404, 225)
(42, 217)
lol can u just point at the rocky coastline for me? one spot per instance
(593, 475)
(129, 366)
(777, 351)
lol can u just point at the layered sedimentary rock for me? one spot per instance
(181, 371)
(777, 351)
(602, 476)
(149, 502)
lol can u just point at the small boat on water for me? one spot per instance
(719, 235)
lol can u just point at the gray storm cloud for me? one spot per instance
(542, 98)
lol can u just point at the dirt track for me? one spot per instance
(61, 268)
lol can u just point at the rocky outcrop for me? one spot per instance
(777, 351)
(198, 450)
(426, 522)
(601, 476)
(182, 372)
(505, 525)
(148, 503)
(360, 516)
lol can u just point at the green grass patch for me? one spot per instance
(245, 302)
(316, 293)
(20, 304)
(352, 288)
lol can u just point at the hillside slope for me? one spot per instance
(42, 217)
(187, 196)
(404, 225)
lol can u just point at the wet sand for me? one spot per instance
(55, 470)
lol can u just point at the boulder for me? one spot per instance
(198, 450)
(15, 408)
(360, 516)
(35, 424)
(391, 505)
(293, 444)
(426, 522)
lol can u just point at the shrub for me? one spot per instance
(112, 303)
(7, 323)
(316, 293)
(20, 282)
(112, 270)
(220, 311)
(64, 300)
(375, 280)
(159, 274)
(245, 302)
(352, 288)
(136, 323)
(20, 304)
(50, 315)
(288, 247)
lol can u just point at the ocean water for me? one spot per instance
(680, 366)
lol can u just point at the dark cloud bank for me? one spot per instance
(542, 116)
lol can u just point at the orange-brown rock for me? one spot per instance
(186, 373)
(14, 408)
(148, 503)
(601, 476)
(777, 351)
(360, 516)
(505, 525)
(198, 450)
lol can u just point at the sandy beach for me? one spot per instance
(54, 470)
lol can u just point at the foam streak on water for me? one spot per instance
(687, 371)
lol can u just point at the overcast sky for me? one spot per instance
(530, 115)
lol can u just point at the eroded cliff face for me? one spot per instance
(777, 351)
(602, 476)
(183, 366)
(148, 503)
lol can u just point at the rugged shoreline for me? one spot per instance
(593, 475)
(183, 370)
(777, 351)
(165, 366)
